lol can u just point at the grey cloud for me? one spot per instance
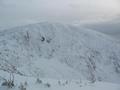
(24, 11)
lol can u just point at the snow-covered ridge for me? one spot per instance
(60, 51)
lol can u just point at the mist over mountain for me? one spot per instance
(111, 27)
(59, 45)
(15, 13)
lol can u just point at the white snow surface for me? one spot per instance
(61, 85)
(57, 51)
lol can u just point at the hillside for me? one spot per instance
(52, 50)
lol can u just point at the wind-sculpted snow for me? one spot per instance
(61, 51)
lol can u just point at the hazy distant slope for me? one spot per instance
(111, 27)
(61, 51)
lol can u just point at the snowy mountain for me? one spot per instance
(52, 50)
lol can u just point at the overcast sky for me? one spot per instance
(18, 12)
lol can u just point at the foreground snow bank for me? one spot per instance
(49, 84)
(32, 83)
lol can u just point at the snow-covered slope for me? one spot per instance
(60, 51)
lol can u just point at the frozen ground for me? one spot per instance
(33, 84)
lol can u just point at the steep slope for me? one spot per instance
(60, 51)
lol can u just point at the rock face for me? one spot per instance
(60, 51)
